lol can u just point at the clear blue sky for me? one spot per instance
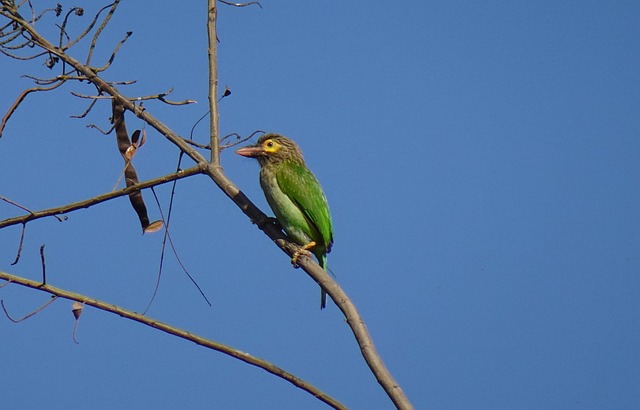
(481, 161)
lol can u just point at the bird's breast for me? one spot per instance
(289, 215)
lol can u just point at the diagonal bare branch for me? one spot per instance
(90, 27)
(113, 54)
(112, 9)
(183, 334)
(19, 100)
(100, 198)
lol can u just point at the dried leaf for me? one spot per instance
(130, 152)
(135, 137)
(154, 226)
(143, 139)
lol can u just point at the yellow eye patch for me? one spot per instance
(271, 146)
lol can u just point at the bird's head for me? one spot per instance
(271, 149)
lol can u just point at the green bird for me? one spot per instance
(295, 196)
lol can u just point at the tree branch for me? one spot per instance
(21, 98)
(100, 198)
(214, 117)
(183, 334)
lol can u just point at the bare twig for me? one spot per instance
(104, 23)
(19, 45)
(95, 127)
(167, 235)
(240, 4)
(24, 228)
(183, 334)
(30, 314)
(239, 139)
(44, 266)
(63, 27)
(89, 27)
(86, 112)
(8, 37)
(113, 54)
(47, 81)
(19, 100)
(214, 118)
(91, 97)
(100, 198)
(161, 97)
(197, 144)
(7, 200)
(17, 57)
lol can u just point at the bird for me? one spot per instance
(295, 197)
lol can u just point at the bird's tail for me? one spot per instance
(323, 294)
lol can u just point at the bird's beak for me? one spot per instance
(251, 151)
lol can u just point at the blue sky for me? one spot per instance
(481, 164)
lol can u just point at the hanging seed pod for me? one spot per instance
(76, 309)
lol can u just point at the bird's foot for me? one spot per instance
(304, 250)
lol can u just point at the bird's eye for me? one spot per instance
(270, 144)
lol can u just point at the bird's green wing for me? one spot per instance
(302, 187)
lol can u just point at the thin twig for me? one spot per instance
(159, 97)
(167, 235)
(240, 4)
(214, 118)
(30, 314)
(23, 58)
(19, 100)
(9, 201)
(113, 54)
(197, 144)
(193, 128)
(86, 112)
(91, 97)
(18, 46)
(47, 81)
(24, 228)
(9, 37)
(239, 139)
(104, 23)
(95, 127)
(80, 11)
(44, 266)
(63, 28)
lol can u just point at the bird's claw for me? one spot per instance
(304, 250)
